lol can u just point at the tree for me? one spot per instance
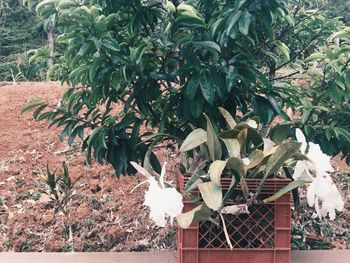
(167, 62)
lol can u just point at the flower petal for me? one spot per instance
(311, 195)
(246, 161)
(141, 170)
(161, 178)
(321, 161)
(301, 138)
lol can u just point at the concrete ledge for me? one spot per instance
(314, 256)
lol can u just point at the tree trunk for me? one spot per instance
(51, 44)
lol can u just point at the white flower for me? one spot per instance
(163, 202)
(246, 161)
(322, 189)
(320, 162)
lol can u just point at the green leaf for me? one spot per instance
(211, 194)
(215, 170)
(255, 158)
(209, 45)
(279, 133)
(277, 107)
(284, 151)
(231, 123)
(111, 44)
(231, 189)
(30, 106)
(199, 213)
(233, 147)
(38, 110)
(244, 22)
(196, 106)
(207, 86)
(239, 3)
(194, 180)
(193, 140)
(292, 185)
(214, 145)
(283, 48)
(192, 87)
(263, 108)
(231, 21)
(236, 165)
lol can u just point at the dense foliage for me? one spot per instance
(170, 61)
(20, 31)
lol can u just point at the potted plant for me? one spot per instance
(236, 188)
(237, 199)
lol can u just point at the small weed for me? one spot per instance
(25, 245)
(61, 189)
(65, 249)
(89, 222)
(88, 247)
(2, 200)
(95, 204)
(7, 243)
(36, 196)
(22, 196)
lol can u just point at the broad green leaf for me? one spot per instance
(255, 158)
(199, 213)
(284, 151)
(277, 107)
(283, 48)
(244, 22)
(230, 189)
(111, 44)
(30, 106)
(292, 185)
(279, 133)
(194, 180)
(196, 106)
(231, 123)
(231, 21)
(192, 87)
(170, 6)
(63, 4)
(207, 86)
(209, 45)
(214, 145)
(38, 110)
(193, 140)
(236, 164)
(211, 194)
(233, 147)
(215, 170)
(239, 4)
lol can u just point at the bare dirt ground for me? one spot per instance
(105, 216)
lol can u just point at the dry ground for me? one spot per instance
(106, 216)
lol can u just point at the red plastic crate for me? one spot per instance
(263, 236)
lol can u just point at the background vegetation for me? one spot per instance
(20, 31)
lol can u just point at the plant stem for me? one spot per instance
(225, 231)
